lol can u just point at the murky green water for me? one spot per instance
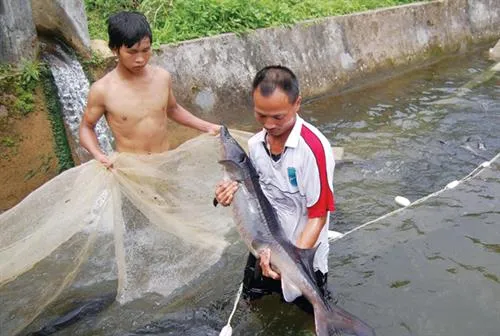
(433, 269)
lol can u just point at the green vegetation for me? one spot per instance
(178, 20)
(62, 148)
(18, 84)
(30, 73)
(17, 99)
(96, 63)
(17, 96)
(8, 141)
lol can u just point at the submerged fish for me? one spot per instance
(90, 307)
(258, 226)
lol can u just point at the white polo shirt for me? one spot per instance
(300, 184)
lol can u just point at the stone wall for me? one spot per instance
(17, 31)
(65, 19)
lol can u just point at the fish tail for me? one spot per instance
(335, 321)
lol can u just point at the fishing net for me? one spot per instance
(148, 222)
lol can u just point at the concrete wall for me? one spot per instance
(212, 75)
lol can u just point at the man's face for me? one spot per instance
(275, 112)
(136, 57)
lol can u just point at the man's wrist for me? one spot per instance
(98, 155)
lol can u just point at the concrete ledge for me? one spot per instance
(212, 75)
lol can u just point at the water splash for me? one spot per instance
(73, 87)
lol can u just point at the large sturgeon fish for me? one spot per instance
(258, 226)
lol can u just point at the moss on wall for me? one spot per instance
(62, 148)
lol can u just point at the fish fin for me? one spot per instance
(334, 320)
(305, 258)
(290, 291)
(232, 166)
(229, 163)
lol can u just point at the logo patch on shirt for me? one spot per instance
(292, 176)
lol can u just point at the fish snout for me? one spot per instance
(224, 132)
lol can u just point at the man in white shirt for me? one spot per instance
(295, 165)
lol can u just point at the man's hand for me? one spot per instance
(224, 192)
(106, 162)
(213, 129)
(265, 259)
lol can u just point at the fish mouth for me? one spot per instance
(231, 155)
(224, 132)
(226, 142)
(223, 138)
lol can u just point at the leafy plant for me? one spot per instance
(30, 73)
(19, 83)
(8, 77)
(25, 103)
(8, 142)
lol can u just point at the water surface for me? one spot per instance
(432, 269)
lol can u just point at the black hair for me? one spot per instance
(277, 76)
(127, 28)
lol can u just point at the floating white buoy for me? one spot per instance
(486, 164)
(403, 201)
(332, 235)
(452, 184)
(226, 331)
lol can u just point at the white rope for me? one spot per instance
(450, 185)
(227, 330)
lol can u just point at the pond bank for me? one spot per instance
(331, 54)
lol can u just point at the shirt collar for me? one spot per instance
(293, 138)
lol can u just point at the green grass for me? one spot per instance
(179, 20)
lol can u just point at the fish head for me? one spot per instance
(233, 156)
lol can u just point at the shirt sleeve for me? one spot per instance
(317, 181)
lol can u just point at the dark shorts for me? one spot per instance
(255, 285)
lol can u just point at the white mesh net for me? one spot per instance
(151, 217)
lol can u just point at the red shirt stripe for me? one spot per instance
(326, 200)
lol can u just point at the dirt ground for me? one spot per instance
(27, 158)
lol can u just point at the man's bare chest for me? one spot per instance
(136, 102)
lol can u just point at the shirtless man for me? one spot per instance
(136, 98)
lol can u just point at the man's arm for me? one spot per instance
(309, 236)
(93, 112)
(307, 239)
(182, 116)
